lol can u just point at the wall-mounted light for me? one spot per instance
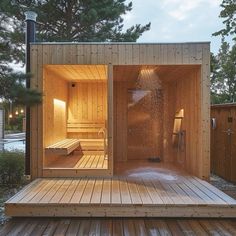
(59, 104)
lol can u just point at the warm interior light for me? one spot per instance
(59, 103)
(179, 115)
(10, 116)
(17, 113)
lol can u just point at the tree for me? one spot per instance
(228, 13)
(223, 76)
(12, 86)
(72, 20)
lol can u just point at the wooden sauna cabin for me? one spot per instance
(108, 106)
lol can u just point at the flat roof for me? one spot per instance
(110, 43)
(233, 104)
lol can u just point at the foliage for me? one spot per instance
(74, 20)
(11, 167)
(228, 13)
(223, 65)
(13, 89)
(84, 20)
(223, 74)
(12, 84)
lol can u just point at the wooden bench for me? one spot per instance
(85, 126)
(63, 147)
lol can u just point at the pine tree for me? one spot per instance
(223, 77)
(228, 13)
(11, 83)
(71, 20)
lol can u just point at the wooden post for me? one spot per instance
(110, 118)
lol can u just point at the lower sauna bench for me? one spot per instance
(63, 147)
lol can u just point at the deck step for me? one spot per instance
(120, 197)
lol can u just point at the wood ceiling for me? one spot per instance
(78, 73)
(164, 72)
(98, 73)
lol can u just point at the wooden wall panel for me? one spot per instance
(126, 54)
(87, 102)
(183, 94)
(223, 141)
(55, 109)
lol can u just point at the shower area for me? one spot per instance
(156, 116)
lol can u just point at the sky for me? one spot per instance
(177, 20)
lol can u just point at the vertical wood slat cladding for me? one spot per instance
(123, 54)
(87, 101)
(56, 114)
(183, 94)
(223, 141)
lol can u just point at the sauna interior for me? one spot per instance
(156, 117)
(75, 117)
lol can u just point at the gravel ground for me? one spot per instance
(225, 186)
(5, 193)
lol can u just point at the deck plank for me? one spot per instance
(79, 191)
(61, 191)
(156, 199)
(134, 193)
(115, 197)
(143, 193)
(198, 192)
(172, 194)
(117, 226)
(206, 190)
(195, 198)
(43, 192)
(48, 196)
(23, 192)
(88, 191)
(70, 191)
(73, 227)
(41, 186)
(215, 190)
(97, 192)
(106, 191)
(162, 193)
(124, 192)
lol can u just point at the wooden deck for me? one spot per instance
(185, 196)
(118, 226)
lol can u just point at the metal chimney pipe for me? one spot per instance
(30, 18)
